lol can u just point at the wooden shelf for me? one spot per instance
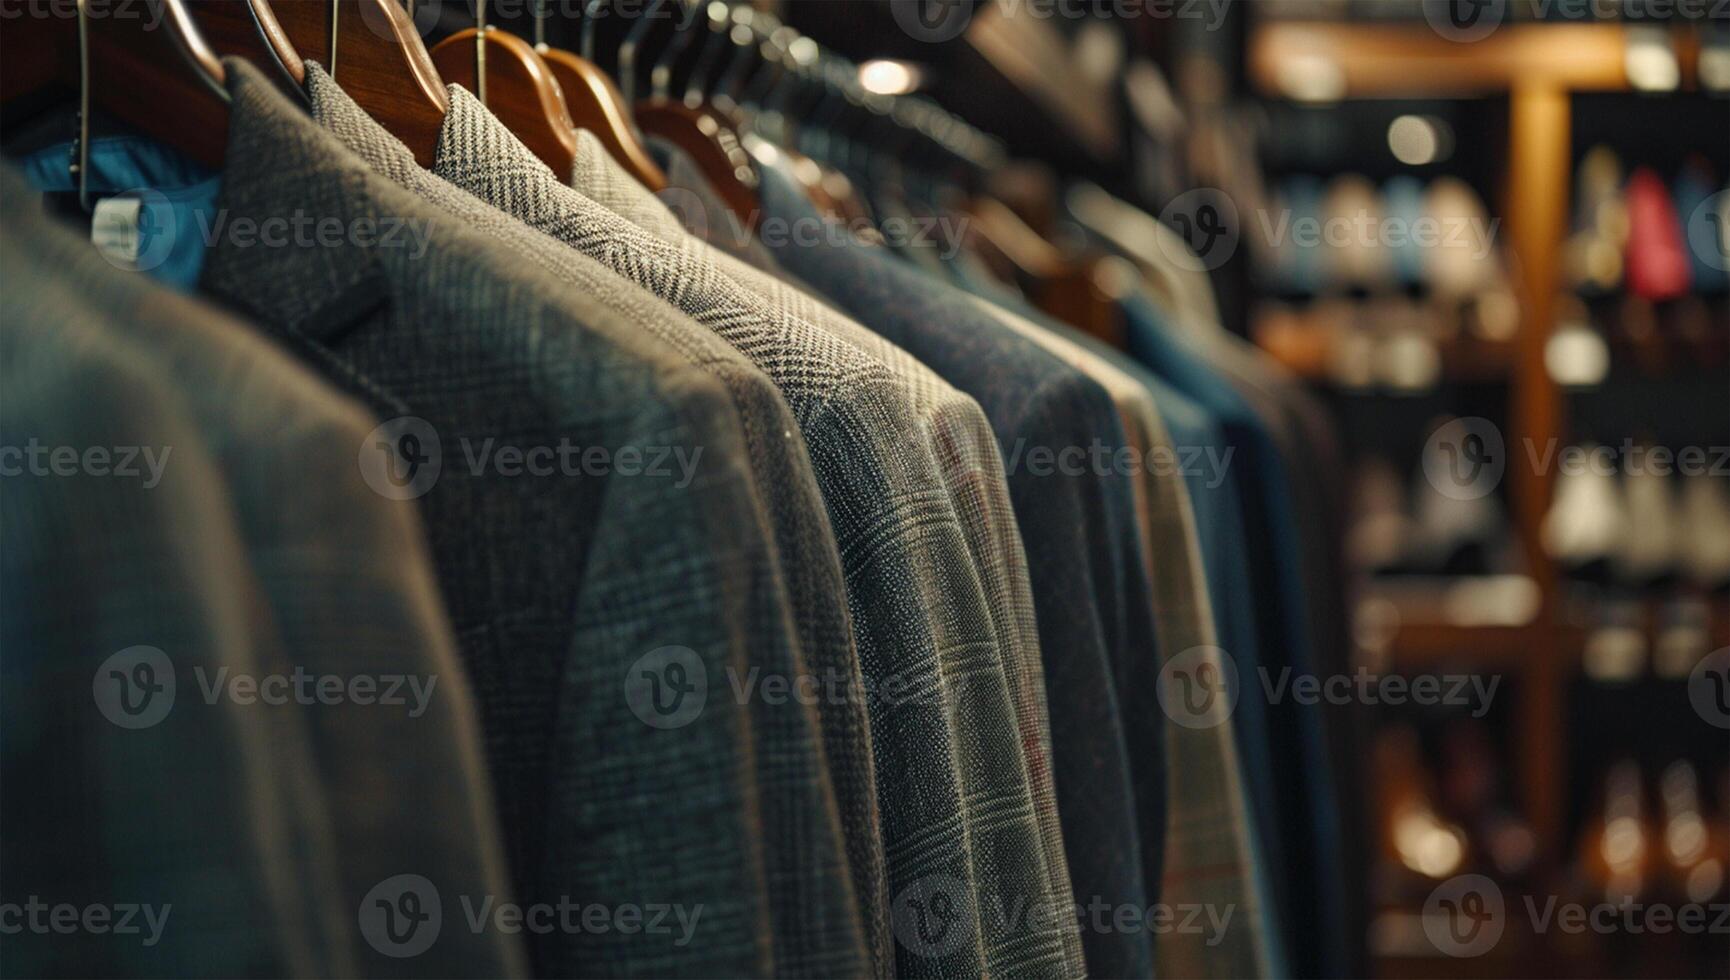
(1413, 61)
(1425, 646)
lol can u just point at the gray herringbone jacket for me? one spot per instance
(1018, 853)
(920, 606)
(574, 593)
(815, 916)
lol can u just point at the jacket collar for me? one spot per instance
(302, 225)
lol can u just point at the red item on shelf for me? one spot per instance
(1657, 258)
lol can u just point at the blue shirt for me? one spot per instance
(176, 196)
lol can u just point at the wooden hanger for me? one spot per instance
(379, 60)
(249, 29)
(596, 104)
(165, 82)
(516, 84)
(1082, 293)
(711, 140)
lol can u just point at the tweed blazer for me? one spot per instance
(574, 594)
(350, 584)
(1078, 524)
(1210, 848)
(926, 633)
(205, 816)
(817, 919)
(965, 446)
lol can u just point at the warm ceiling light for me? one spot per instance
(882, 76)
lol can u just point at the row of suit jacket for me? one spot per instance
(549, 582)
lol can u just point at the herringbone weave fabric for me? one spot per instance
(959, 434)
(816, 918)
(920, 611)
(558, 585)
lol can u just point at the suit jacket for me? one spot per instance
(817, 918)
(1300, 817)
(1210, 846)
(350, 583)
(208, 815)
(1093, 609)
(961, 441)
(620, 779)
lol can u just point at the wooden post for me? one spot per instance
(1539, 181)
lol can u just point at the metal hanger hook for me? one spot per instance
(628, 50)
(481, 50)
(82, 162)
(661, 75)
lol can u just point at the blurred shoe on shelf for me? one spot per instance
(1576, 355)
(1705, 547)
(1635, 338)
(1701, 343)
(1381, 529)
(1616, 854)
(1656, 259)
(1587, 521)
(1473, 790)
(1359, 260)
(1684, 635)
(1648, 553)
(1600, 226)
(1403, 203)
(1452, 536)
(1694, 856)
(1419, 847)
(1615, 651)
(1462, 263)
(1701, 228)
